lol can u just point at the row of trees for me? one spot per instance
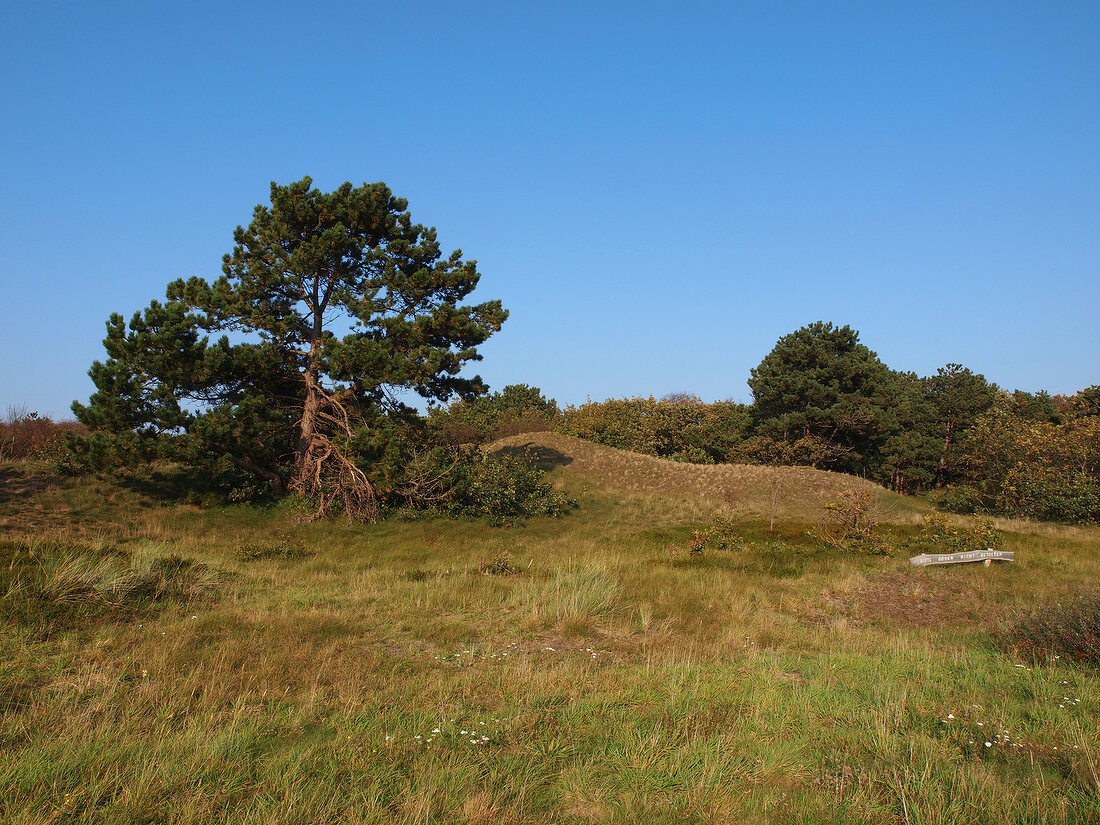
(1036, 466)
(1020, 453)
(823, 399)
(286, 376)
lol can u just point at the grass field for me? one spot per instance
(162, 663)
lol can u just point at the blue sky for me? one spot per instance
(657, 191)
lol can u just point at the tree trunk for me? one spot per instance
(307, 429)
(311, 404)
(943, 458)
(323, 471)
(278, 489)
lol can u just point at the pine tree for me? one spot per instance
(820, 383)
(330, 305)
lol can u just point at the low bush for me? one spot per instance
(517, 409)
(1068, 630)
(498, 566)
(721, 535)
(958, 498)
(850, 524)
(27, 436)
(947, 536)
(678, 427)
(808, 451)
(507, 488)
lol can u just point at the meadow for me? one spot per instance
(163, 662)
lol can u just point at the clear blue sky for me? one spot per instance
(657, 191)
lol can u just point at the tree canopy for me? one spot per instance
(819, 383)
(329, 306)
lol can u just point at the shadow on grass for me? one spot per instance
(178, 484)
(546, 458)
(20, 482)
(165, 485)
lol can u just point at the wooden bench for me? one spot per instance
(988, 556)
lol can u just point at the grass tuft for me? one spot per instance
(1069, 628)
(55, 582)
(402, 673)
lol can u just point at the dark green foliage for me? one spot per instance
(517, 409)
(336, 302)
(933, 415)
(1039, 406)
(825, 400)
(506, 488)
(1086, 403)
(1069, 629)
(956, 397)
(677, 427)
(819, 382)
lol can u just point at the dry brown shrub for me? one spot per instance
(25, 435)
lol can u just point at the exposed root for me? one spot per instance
(334, 483)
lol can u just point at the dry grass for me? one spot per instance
(341, 670)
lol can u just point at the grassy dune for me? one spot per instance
(162, 663)
(749, 491)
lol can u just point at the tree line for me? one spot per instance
(822, 399)
(289, 377)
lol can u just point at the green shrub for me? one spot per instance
(692, 455)
(507, 488)
(1068, 630)
(949, 537)
(517, 409)
(958, 498)
(679, 427)
(809, 451)
(850, 524)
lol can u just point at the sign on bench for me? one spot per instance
(987, 556)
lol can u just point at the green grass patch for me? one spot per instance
(51, 584)
(163, 662)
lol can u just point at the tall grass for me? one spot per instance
(328, 673)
